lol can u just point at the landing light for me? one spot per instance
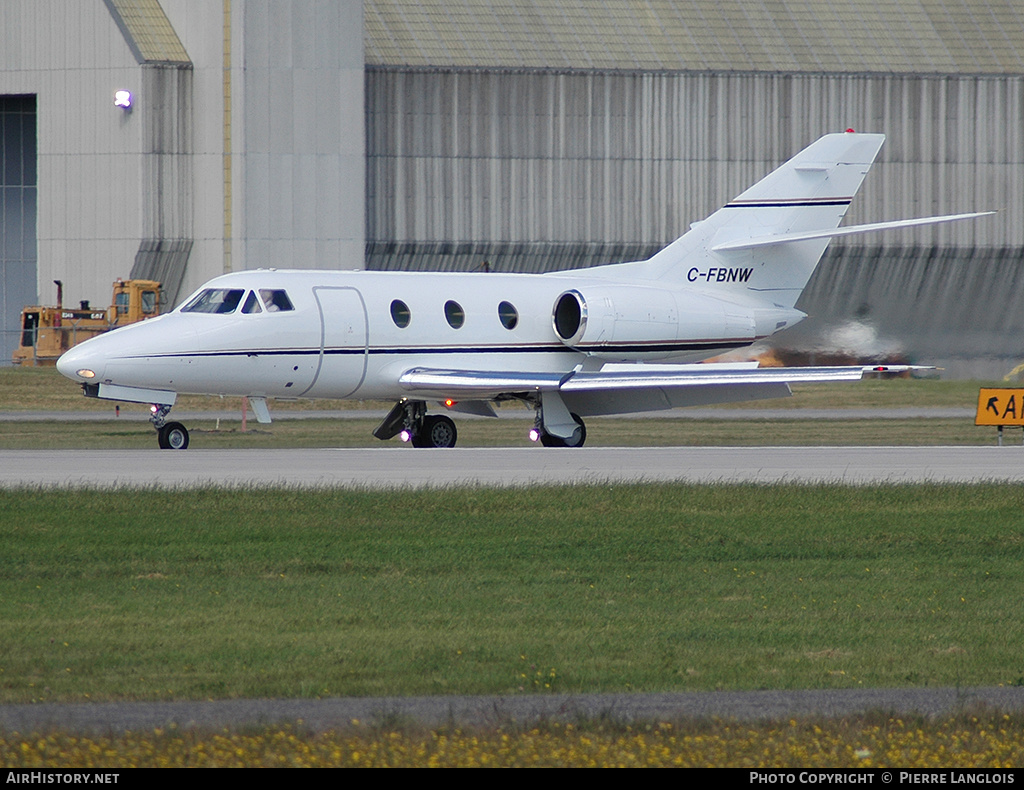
(85, 373)
(154, 409)
(405, 435)
(534, 435)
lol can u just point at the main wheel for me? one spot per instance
(173, 436)
(577, 439)
(436, 431)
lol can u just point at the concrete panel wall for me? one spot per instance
(200, 27)
(303, 151)
(275, 181)
(73, 57)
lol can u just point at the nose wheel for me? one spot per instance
(169, 435)
(173, 436)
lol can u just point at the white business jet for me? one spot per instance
(570, 344)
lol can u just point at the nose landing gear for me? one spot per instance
(173, 436)
(169, 435)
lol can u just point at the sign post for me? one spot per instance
(1000, 407)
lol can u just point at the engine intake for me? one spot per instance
(626, 322)
(569, 317)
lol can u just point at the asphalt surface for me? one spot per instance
(342, 713)
(403, 467)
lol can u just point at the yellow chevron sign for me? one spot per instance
(1000, 407)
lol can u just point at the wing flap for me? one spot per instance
(478, 384)
(641, 379)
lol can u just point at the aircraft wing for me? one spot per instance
(618, 388)
(477, 384)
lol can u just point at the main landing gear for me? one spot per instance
(169, 435)
(409, 421)
(436, 431)
(579, 436)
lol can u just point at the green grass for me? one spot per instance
(44, 389)
(29, 389)
(660, 432)
(212, 593)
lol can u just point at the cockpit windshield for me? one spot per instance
(227, 300)
(276, 300)
(252, 304)
(215, 300)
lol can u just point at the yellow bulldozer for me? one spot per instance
(47, 332)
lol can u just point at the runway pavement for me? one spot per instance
(402, 467)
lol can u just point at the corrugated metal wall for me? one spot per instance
(598, 158)
(540, 170)
(168, 230)
(957, 308)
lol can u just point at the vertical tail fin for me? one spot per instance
(810, 192)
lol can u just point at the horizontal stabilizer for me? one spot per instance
(786, 238)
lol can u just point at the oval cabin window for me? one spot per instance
(508, 315)
(454, 313)
(400, 314)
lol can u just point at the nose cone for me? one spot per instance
(133, 355)
(84, 363)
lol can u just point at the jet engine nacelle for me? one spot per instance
(629, 321)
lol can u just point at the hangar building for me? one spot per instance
(530, 134)
(242, 147)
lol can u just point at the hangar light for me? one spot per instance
(123, 99)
